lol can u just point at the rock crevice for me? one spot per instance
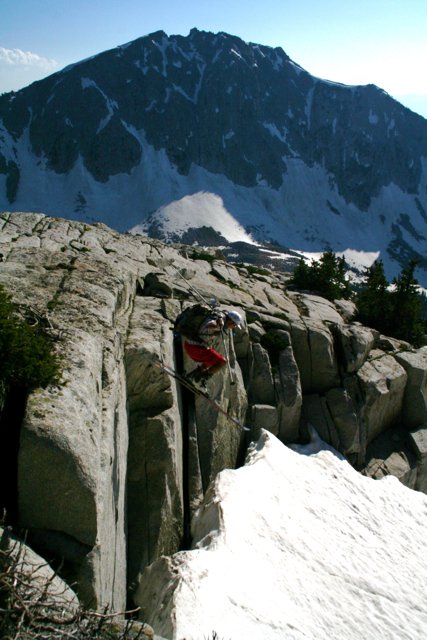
(114, 462)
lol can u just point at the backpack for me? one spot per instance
(190, 320)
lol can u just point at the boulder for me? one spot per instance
(72, 465)
(261, 383)
(35, 580)
(418, 439)
(316, 415)
(149, 340)
(414, 410)
(355, 343)
(382, 382)
(391, 454)
(160, 285)
(227, 272)
(386, 343)
(204, 285)
(283, 302)
(316, 308)
(313, 348)
(396, 464)
(264, 416)
(346, 420)
(346, 308)
(256, 331)
(288, 396)
(273, 320)
(155, 459)
(73, 452)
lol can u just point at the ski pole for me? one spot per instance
(159, 364)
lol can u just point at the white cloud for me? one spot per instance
(20, 68)
(16, 57)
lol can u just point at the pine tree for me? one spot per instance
(374, 300)
(326, 277)
(395, 311)
(301, 275)
(407, 308)
(332, 282)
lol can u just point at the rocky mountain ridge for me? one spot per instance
(126, 135)
(114, 463)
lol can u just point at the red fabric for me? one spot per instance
(207, 356)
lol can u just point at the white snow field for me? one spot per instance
(297, 545)
(306, 214)
(198, 210)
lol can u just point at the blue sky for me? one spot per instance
(355, 42)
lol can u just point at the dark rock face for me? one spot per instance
(231, 107)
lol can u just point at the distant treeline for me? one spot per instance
(396, 309)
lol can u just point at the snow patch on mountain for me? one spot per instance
(298, 545)
(272, 128)
(306, 213)
(196, 210)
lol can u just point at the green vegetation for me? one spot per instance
(253, 269)
(373, 301)
(325, 277)
(26, 354)
(396, 311)
(202, 255)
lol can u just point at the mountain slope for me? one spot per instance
(306, 162)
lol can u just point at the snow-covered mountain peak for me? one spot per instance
(304, 162)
